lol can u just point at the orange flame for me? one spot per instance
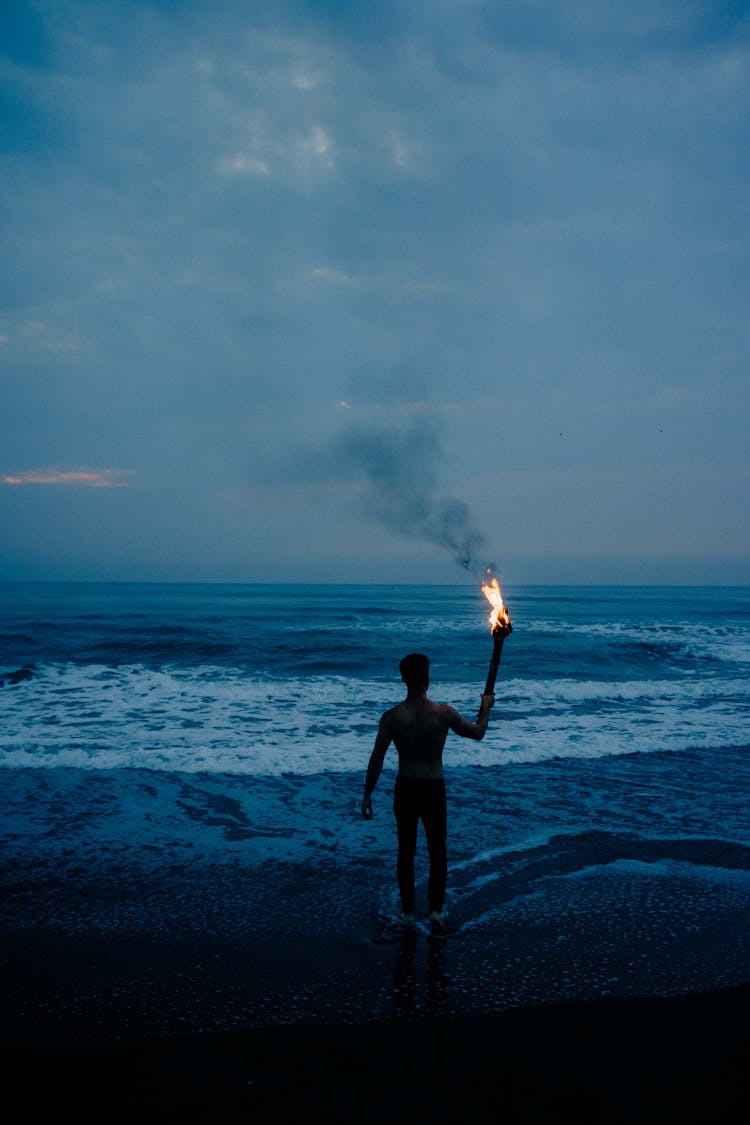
(499, 615)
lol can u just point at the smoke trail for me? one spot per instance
(399, 471)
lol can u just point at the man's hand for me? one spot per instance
(488, 701)
(367, 812)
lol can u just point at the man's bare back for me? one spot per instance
(418, 729)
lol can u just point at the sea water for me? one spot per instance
(276, 679)
(599, 838)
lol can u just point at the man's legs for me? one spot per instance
(435, 820)
(406, 808)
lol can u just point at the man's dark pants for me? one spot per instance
(416, 799)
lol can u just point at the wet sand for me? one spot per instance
(350, 1029)
(147, 975)
(684, 1059)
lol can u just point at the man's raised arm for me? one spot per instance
(466, 728)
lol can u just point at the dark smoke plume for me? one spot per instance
(399, 471)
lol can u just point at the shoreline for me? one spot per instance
(621, 1060)
(182, 945)
(623, 931)
(137, 906)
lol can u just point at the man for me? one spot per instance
(418, 728)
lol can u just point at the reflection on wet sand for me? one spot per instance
(416, 994)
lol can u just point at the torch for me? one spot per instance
(500, 627)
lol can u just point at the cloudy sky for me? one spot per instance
(357, 291)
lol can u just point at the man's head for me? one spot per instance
(415, 671)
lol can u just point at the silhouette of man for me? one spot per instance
(418, 728)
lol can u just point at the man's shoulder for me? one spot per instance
(404, 711)
(444, 709)
(438, 712)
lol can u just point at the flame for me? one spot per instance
(499, 615)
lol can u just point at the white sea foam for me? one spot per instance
(222, 720)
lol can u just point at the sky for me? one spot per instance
(375, 291)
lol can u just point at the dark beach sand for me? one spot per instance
(127, 1030)
(153, 967)
(639, 1060)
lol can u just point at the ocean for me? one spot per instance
(154, 736)
(275, 679)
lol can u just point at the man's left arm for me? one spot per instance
(374, 767)
(465, 727)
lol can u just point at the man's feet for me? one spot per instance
(437, 926)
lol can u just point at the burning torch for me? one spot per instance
(500, 627)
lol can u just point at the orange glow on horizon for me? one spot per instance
(106, 478)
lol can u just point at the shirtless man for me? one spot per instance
(418, 728)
